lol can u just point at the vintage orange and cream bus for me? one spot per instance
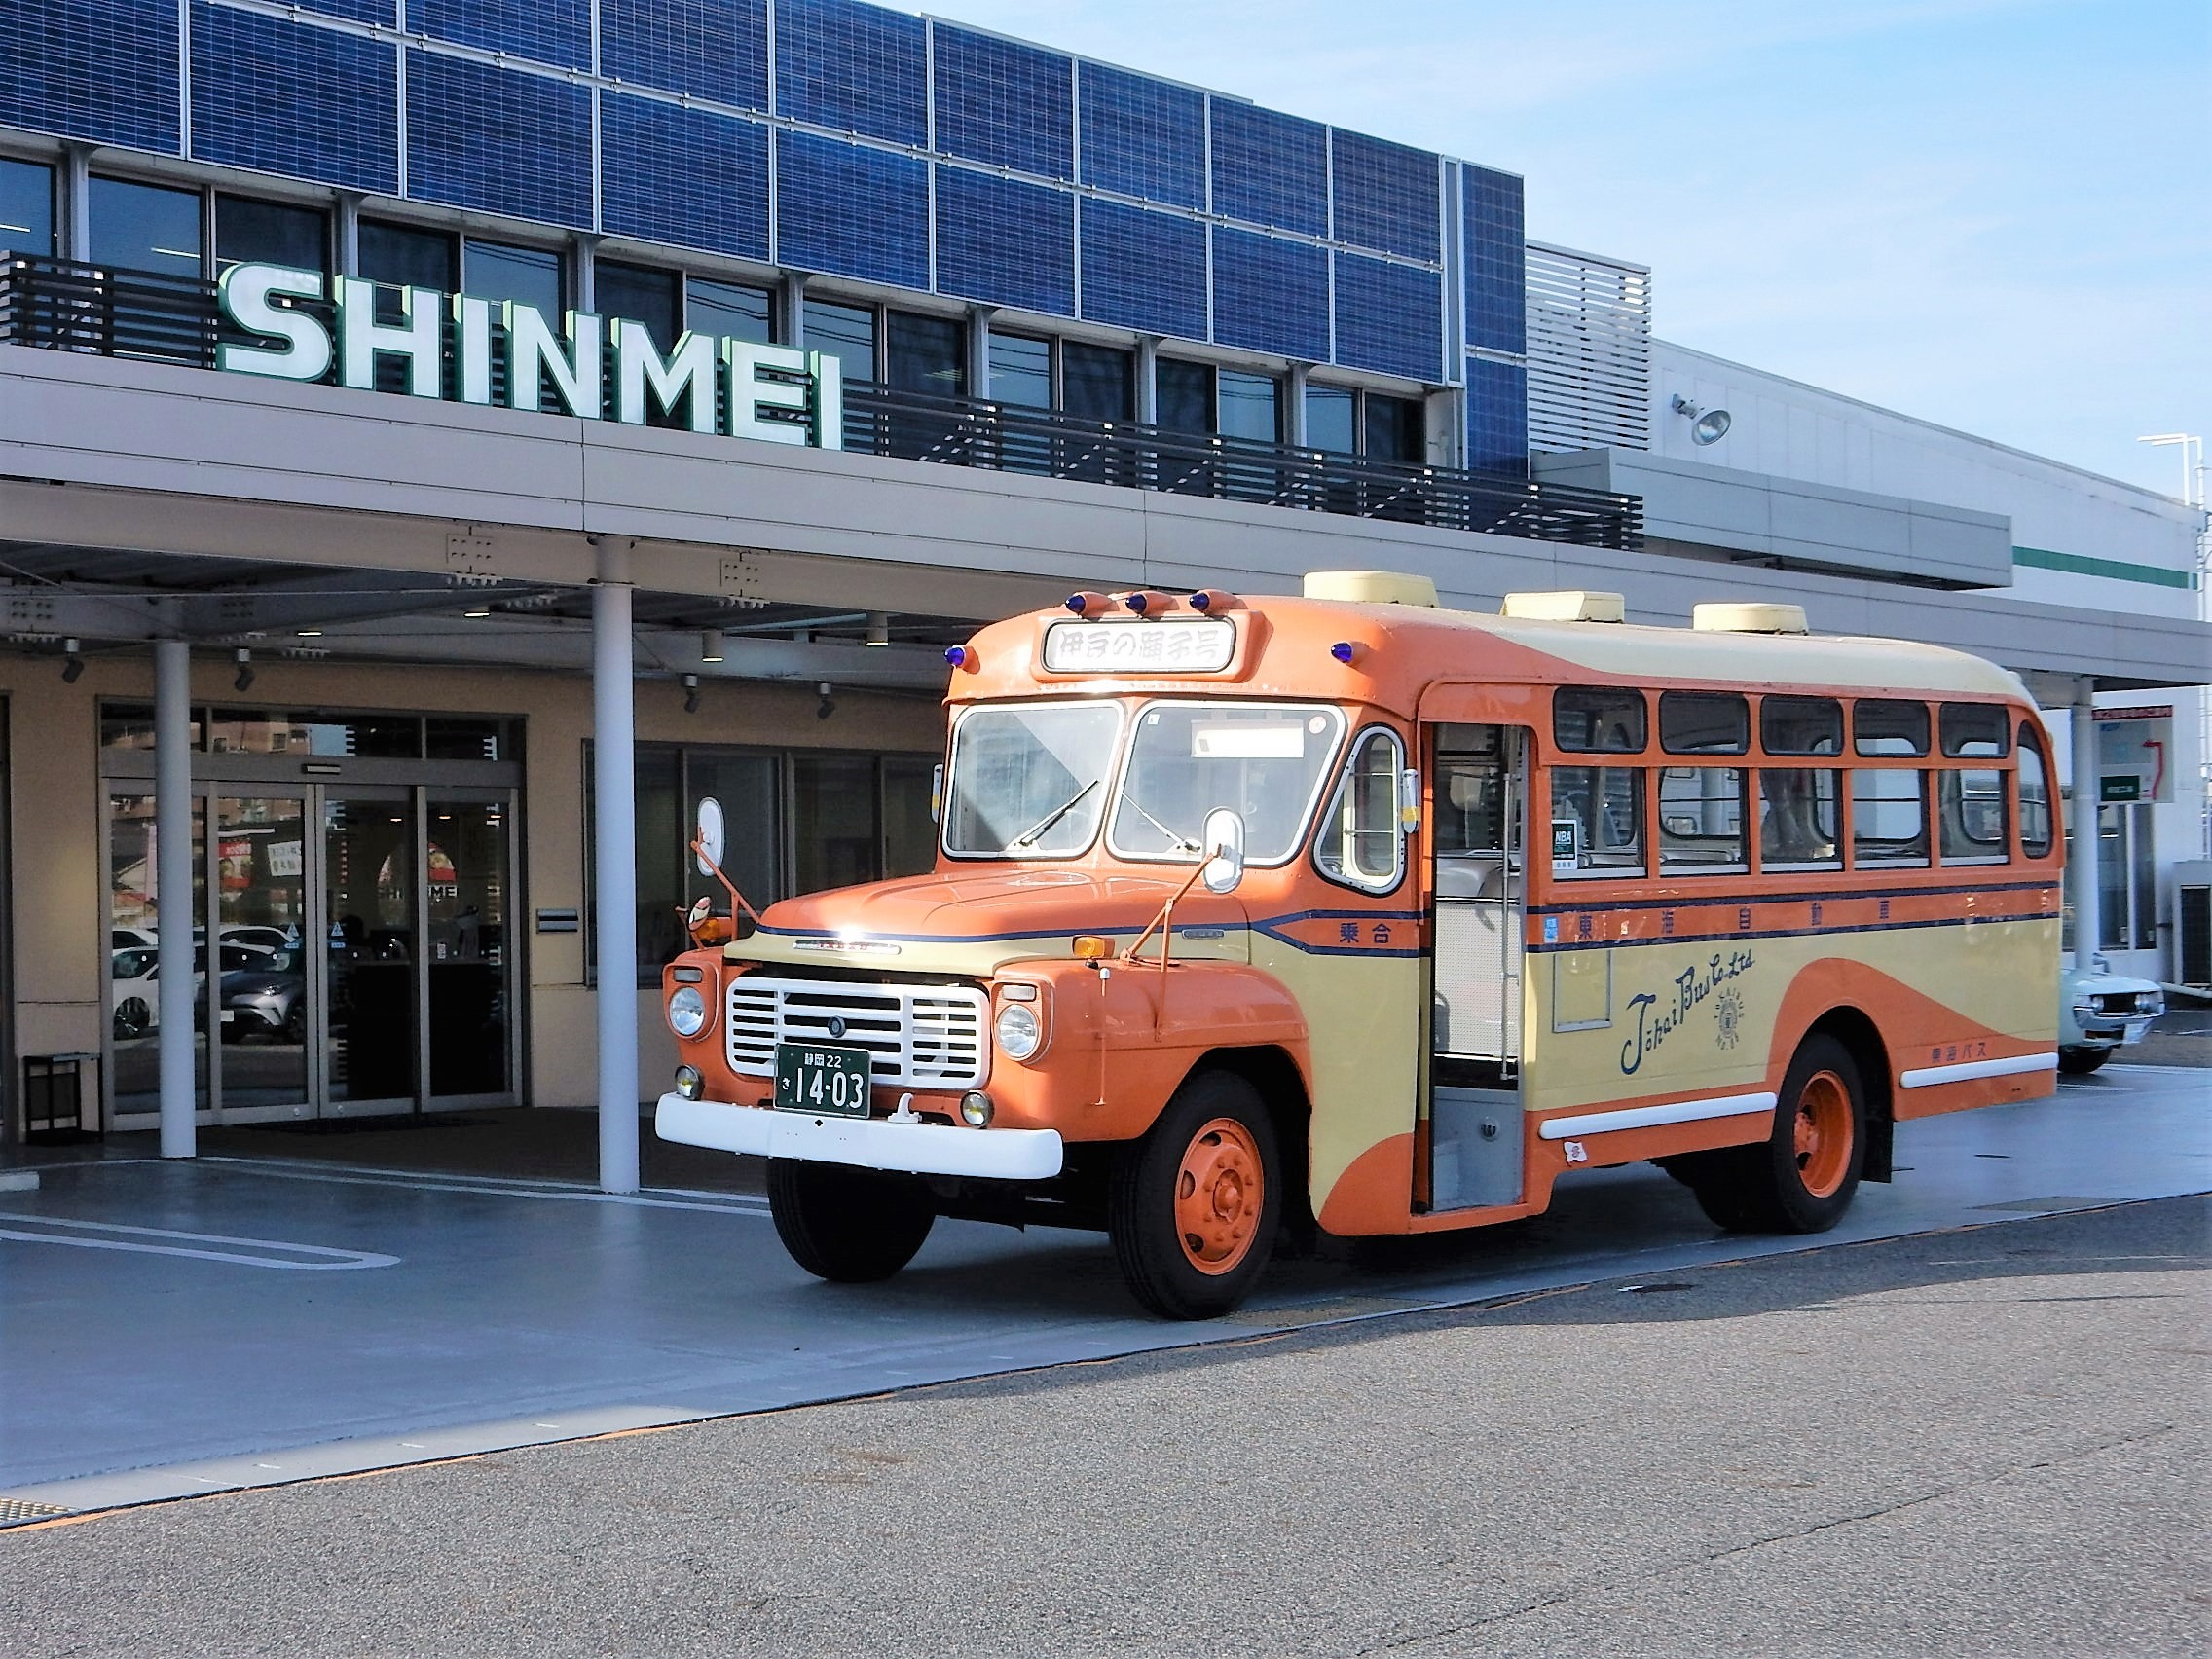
(1350, 913)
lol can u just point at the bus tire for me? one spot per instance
(1802, 1179)
(847, 1226)
(2082, 1061)
(1196, 1204)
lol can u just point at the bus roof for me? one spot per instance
(1398, 651)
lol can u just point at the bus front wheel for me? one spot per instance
(847, 1226)
(1802, 1177)
(1195, 1206)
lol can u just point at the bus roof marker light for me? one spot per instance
(963, 656)
(1144, 603)
(1347, 651)
(1089, 603)
(1206, 601)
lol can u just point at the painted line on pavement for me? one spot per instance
(328, 1260)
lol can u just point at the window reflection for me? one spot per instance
(144, 227)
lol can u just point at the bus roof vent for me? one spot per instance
(1572, 605)
(1740, 617)
(1371, 588)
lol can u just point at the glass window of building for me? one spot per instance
(1021, 371)
(400, 256)
(1097, 383)
(1393, 429)
(1185, 396)
(1329, 423)
(271, 232)
(650, 297)
(26, 208)
(846, 333)
(927, 353)
(527, 276)
(728, 310)
(1251, 406)
(144, 227)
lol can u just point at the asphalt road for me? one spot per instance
(1989, 1440)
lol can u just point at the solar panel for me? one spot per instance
(308, 102)
(1496, 260)
(855, 68)
(1390, 317)
(498, 139)
(545, 31)
(853, 210)
(1271, 169)
(99, 69)
(1143, 138)
(1144, 270)
(1270, 295)
(689, 176)
(1498, 417)
(1005, 243)
(710, 49)
(1387, 196)
(1003, 102)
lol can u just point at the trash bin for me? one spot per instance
(54, 1100)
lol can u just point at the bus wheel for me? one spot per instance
(1196, 1203)
(847, 1226)
(2080, 1062)
(1803, 1177)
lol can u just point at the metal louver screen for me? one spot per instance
(1589, 351)
(919, 1036)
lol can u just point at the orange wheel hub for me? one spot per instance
(1823, 1134)
(1219, 1193)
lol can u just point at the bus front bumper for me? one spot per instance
(867, 1143)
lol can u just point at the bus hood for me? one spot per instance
(967, 922)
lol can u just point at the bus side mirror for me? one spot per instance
(1224, 859)
(1408, 800)
(708, 834)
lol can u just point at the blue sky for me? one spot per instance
(1989, 213)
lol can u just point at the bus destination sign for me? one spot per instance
(1175, 644)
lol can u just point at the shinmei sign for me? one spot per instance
(774, 393)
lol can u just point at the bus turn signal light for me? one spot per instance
(1089, 947)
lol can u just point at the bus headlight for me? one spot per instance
(1020, 1033)
(686, 1012)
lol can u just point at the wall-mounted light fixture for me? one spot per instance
(1707, 425)
(72, 665)
(691, 693)
(828, 704)
(244, 681)
(710, 645)
(878, 628)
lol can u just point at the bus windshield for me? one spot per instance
(1030, 782)
(1266, 761)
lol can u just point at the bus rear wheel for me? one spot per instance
(1802, 1178)
(847, 1226)
(1196, 1204)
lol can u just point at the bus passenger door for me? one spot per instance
(1477, 893)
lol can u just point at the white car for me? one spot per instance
(2099, 1012)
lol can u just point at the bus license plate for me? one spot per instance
(825, 1081)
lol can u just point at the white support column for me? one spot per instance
(2081, 872)
(790, 295)
(1148, 380)
(1294, 404)
(76, 227)
(614, 871)
(172, 886)
(979, 351)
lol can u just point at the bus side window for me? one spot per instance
(1971, 808)
(1701, 819)
(1597, 719)
(1798, 822)
(1889, 816)
(1801, 725)
(1596, 822)
(1361, 843)
(1973, 730)
(2034, 794)
(1882, 727)
(1704, 722)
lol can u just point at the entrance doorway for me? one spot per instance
(353, 940)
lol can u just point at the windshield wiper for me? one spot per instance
(1029, 835)
(1181, 844)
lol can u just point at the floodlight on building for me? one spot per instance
(72, 665)
(827, 706)
(878, 628)
(710, 645)
(1707, 425)
(244, 681)
(691, 693)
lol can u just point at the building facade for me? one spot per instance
(405, 404)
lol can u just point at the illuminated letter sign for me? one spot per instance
(771, 392)
(1174, 645)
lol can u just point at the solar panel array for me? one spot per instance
(831, 137)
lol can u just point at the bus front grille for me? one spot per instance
(918, 1035)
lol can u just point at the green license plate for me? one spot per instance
(826, 1080)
